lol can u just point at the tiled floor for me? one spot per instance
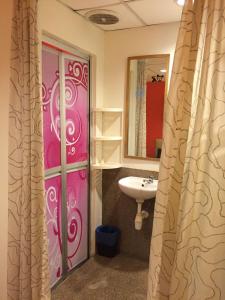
(100, 278)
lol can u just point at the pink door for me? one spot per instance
(66, 158)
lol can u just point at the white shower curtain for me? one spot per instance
(187, 257)
(28, 274)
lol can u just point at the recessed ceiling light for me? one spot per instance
(180, 2)
(163, 71)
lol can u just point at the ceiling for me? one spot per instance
(131, 13)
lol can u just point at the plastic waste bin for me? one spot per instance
(107, 240)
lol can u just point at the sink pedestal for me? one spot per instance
(141, 214)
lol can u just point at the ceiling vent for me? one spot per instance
(102, 17)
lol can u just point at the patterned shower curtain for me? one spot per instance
(187, 257)
(140, 117)
(28, 274)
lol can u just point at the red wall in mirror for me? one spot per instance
(155, 92)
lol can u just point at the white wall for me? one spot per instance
(156, 39)
(5, 30)
(5, 33)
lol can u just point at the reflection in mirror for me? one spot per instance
(146, 90)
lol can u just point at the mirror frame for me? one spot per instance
(127, 100)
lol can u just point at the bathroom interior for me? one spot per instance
(125, 155)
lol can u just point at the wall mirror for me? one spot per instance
(147, 80)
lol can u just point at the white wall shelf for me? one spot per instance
(108, 127)
(108, 138)
(106, 166)
(108, 109)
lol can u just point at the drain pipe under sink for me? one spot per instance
(141, 214)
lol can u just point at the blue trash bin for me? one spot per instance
(107, 240)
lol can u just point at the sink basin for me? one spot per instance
(137, 188)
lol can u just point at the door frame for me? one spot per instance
(65, 50)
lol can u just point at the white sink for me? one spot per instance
(138, 188)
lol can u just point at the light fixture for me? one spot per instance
(180, 2)
(102, 17)
(163, 71)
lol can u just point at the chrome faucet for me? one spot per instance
(148, 180)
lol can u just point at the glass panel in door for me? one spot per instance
(77, 214)
(53, 215)
(76, 104)
(51, 109)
